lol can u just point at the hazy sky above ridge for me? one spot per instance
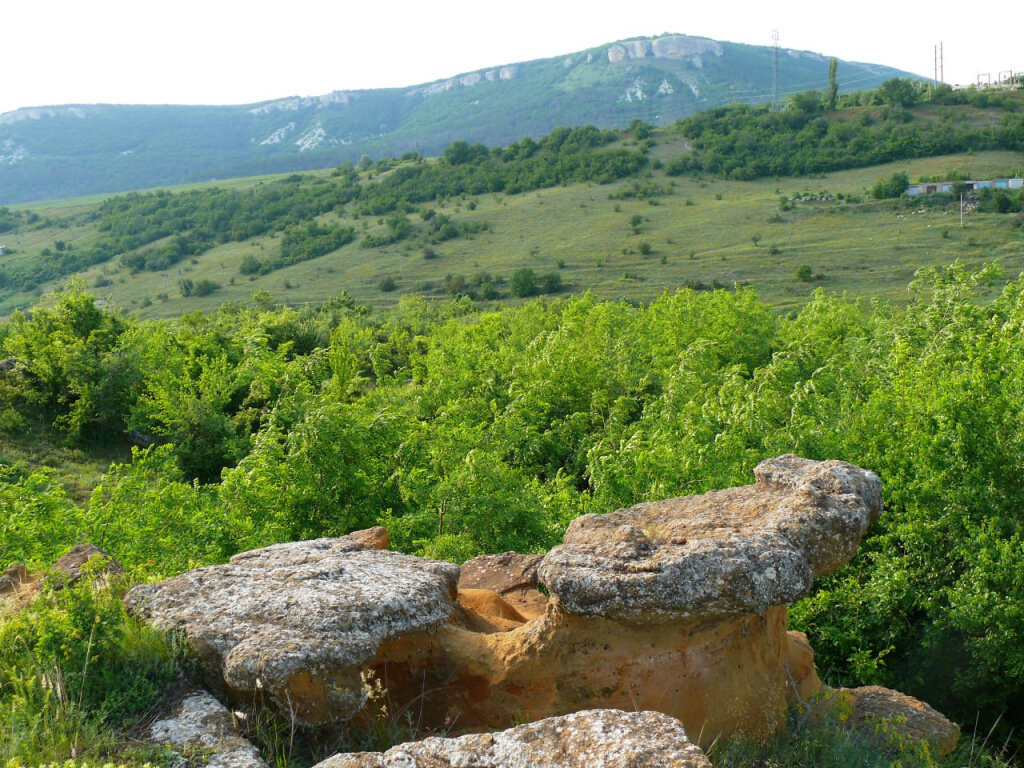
(227, 52)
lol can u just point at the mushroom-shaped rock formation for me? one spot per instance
(300, 621)
(735, 551)
(676, 606)
(590, 739)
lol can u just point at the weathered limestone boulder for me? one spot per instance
(913, 719)
(301, 621)
(203, 732)
(736, 551)
(589, 739)
(510, 575)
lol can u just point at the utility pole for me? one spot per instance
(942, 66)
(775, 76)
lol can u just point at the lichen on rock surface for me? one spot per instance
(201, 726)
(300, 620)
(734, 551)
(872, 707)
(604, 738)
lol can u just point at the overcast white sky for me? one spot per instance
(228, 52)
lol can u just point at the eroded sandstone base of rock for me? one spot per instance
(589, 739)
(717, 675)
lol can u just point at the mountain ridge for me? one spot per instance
(58, 151)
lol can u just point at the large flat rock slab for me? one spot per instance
(298, 622)
(602, 738)
(734, 551)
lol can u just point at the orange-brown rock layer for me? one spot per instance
(716, 675)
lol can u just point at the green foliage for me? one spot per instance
(746, 142)
(40, 523)
(524, 283)
(894, 186)
(73, 667)
(467, 432)
(833, 84)
(76, 363)
(898, 92)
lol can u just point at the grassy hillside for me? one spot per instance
(700, 233)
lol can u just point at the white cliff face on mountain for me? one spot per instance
(38, 113)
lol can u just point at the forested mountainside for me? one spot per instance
(63, 151)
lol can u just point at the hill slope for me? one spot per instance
(56, 152)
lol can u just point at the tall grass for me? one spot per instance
(75, 671)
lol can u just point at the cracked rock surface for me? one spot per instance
(299, 621)
(600, 738)
(734, 551)
(202, 731)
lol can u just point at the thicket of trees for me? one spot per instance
(303, 423)
(748, 142)
(155, 231)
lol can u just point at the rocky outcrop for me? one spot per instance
(668, 47)
(17, 583)
(82, 560)
(590, 739)
(676, 606)
(737, 551)
(867, 707)
(202, 732)
(301, 621)
(510, 575)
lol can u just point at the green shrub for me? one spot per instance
(75, 668)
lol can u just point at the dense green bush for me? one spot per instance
(748, 142)
(75, 668)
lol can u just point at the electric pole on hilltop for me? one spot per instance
(940, 74)
(775, 75)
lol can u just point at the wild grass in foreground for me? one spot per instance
(75, 672)
(814, 740)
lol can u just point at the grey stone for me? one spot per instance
(275, 619)
(734, 551)
(203, 732)
(597, 738)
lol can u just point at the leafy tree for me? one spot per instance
(833, 84)
(898, 92)
(524, 283)
(893, 186)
